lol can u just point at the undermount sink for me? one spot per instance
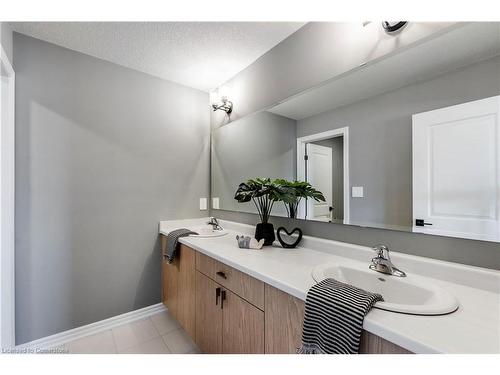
(207, 231)
(410, 295)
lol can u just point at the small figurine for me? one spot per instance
(247, 242)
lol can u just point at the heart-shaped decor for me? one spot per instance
(287, 245)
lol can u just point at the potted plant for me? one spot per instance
(293, 192)
(264, 193)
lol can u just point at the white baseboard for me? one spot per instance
(64, 337)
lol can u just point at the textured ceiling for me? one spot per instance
(202, 55)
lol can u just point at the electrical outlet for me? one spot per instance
(203, 204)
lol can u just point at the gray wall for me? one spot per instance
(315, 53)
(380, 152)
(337, 146)
(260, 145)
(6, 39)
(103, 153)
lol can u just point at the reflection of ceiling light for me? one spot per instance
(393, 26)
(226, 105)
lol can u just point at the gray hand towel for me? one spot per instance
(173, 241)
(333, 319)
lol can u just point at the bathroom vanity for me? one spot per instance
(233, 300)
(228, 311)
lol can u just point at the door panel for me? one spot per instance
(319, 175)
(243, 326)
(208, 316)
(456, 175)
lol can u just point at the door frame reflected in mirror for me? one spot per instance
(301, 165)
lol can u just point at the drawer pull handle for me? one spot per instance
(222, 299)
(217, 295)
(221, 274)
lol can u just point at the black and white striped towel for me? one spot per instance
(333, 319)
(173, 241)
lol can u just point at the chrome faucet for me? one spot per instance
(382, 262)
(214, 223)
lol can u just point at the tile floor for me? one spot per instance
(158, 334)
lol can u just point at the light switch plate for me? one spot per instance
(203, 204)
(215, 203)
(357, 192)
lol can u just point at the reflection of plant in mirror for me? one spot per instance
(293, 192)
(263, 192)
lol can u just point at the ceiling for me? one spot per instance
(459, 47)
(202, 55)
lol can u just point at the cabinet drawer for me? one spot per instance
(238, 282)
(206, 265)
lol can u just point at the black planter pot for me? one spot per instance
(265, 231)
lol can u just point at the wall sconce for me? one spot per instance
(226, 105)
(393, 26)
(389, 26)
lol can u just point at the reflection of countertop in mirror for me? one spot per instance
(473, 328)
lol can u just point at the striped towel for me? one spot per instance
(333, 319)
(173, 241)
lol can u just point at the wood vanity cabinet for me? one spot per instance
(228, 311)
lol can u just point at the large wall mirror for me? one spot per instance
(408, 142)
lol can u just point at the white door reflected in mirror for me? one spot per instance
(456, 170)
(319, 172)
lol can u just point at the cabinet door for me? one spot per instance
(178, 287)
(186, 293)
(243, 326)
(208, 315)
(170, 276)
(284, 317)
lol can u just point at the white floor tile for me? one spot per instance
(132, 334)
(165, 323)
(159, 334)
(179, 342)
(154, 346)
(100, 343)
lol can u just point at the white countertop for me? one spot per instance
(473, 328)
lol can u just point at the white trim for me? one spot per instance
(62, 338)
(7, 191)
(5, 60)
(301, 148)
